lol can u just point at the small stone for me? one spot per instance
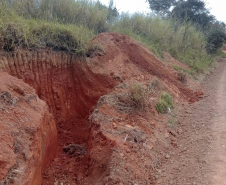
(180, 131)
(166, 135)
(167, 156)
(114, 125)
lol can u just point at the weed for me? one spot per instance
(164, 103)
(92, 47)
(221, 54)
(134, 99)
(138, 95)
(171, 122)
(154, 86)
(182, 77)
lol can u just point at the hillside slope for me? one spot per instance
(105, 134)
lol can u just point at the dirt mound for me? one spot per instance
(129, 60)
(28, 133)
(98, 143)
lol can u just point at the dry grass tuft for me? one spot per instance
(132, 100)
(182, 77)
(154, 86)
(138, 95)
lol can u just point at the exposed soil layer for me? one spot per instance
(28, 133)
(110, 147)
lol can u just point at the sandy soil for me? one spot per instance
(200, 157)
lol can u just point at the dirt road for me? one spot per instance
(200, 157)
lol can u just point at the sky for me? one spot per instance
(217, 7)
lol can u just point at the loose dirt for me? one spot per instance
(200, 157)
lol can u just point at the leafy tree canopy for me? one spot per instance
(194, 11)
(161, 5)
(190, 10)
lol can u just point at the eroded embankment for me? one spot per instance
(28, 135)
(70, 89)
(112, 147)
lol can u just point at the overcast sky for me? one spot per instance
(217, 7)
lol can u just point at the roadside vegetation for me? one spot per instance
(69, 25)
(165, 103)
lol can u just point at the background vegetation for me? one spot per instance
(69, 25)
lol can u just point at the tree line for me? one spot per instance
(193, 11)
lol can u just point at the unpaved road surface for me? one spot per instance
(200, 157)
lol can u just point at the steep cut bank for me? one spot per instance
(28, 136)
(97, 150)
(70, 88)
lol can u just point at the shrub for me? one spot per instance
(154, 86)
(182, 77)
(164, 102)
(130, 101)
(138, 95)
(215, 40)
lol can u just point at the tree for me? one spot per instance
(215, 40)
(194, 11)
(216, 37)
(191, 10)
(111, 9)
(112, 12)
(161, 6)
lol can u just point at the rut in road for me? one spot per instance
(200, 157)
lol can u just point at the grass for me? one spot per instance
(17, 32)
(164, 103)
(184, 42)
(172, 122)
(222, 54)
(182, 77)
(132, 100)
(154, 86)
(138, 95)
(69, 25)
(87, 13)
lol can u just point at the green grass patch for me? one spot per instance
(17, 32)
(222, 54)
(164, 103)
(178, 68)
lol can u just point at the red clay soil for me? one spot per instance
(122, 52)
(110, 147)
(27, 133)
